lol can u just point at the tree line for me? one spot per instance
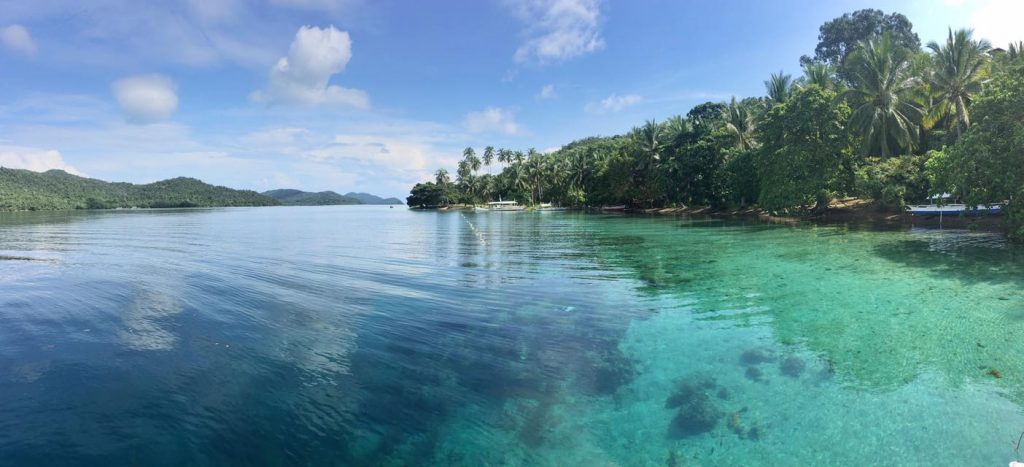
(873, 114)
(56, 190)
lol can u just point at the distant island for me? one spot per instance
(325, 198)
(57, 190)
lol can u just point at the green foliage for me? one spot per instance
(985, 165)
(960, 67)
(778, 86)
(55, 190)
(426, 195)
(305, 198)
(840, 37)
(870, 85)
(807, 156)
(885, 113)
(892, 182)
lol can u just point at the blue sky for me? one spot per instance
(361, 95)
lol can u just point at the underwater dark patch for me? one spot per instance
(792, 367)
(754, 374)
(696, 410)
(751, 357)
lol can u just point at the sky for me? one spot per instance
(374, 95)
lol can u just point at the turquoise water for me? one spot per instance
(375, 336)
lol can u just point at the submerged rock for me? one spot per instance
(752, 357)
(792, 367)
(754, 374)
(697, 412)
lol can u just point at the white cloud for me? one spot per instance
(376, 150)
(16, 38)
(146, 98)
(34, 159)
(998, 21)
(558, 30)
(548, 92)
(493, 119)
(302, 77)
(613, 103)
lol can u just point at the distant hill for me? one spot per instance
(366, 198)
(56, 190)
(305, 198)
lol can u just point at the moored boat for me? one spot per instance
(953, 209)
(504, 206)
(550, 207)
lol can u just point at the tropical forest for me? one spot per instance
(875, 115)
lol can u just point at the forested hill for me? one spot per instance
(305, 198)
(367, 198)
(56, 190)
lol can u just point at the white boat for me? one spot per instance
(550, 207)
(953, 209)
(504, 206)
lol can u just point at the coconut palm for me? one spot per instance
(822, 75)
(739, 122)
(779, 86)
(882, 96)
(488, 156)
(648, 139)
(1016, 50)
(441, 179)
(957, 75)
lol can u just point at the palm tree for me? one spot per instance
(649, 139)
(579, 165)
(1016, 50)
(488, 156)
(820, 74)
(779, 86)
(882, 96)
(441, 179)
(739, 122)
(957, 76)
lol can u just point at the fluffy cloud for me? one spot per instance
(17, 39)
(558, 30)
(614, 103)
(376, 150)
(146, 98)
(998, 21)
(548, 92)
(302, 77)
(38, 160)
(493, 119)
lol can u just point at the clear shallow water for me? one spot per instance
(374, 336)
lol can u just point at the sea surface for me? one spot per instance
(375, 336)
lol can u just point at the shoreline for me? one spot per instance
(846, 211)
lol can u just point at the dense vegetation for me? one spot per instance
(366, 198)
(305, 198)
(326, 198)
(874, 115)
(55, 190)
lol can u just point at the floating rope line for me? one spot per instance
(479, 236)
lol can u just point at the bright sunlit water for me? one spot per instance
(377, 336)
